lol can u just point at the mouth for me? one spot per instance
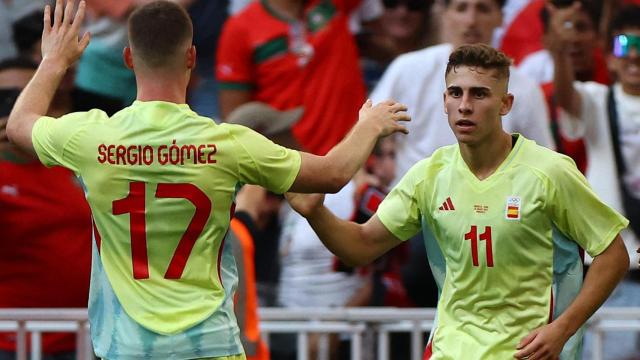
(471, 37)
(465, 125)
(633, 69)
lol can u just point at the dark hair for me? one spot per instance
(500, 3)
(479, 55)
(627, 17)
(27, 31)
(157, 31)
(589, 7)
(21, 63)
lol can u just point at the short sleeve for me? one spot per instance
(262, 162)
(55, 140)
(399, 212)
(234, 67)
(578, 212)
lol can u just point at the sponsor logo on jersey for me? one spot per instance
(512, 210)
(447, 205)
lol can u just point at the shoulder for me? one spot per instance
(547, 164)
(521, 81)
(591, 88)
(407, 69)
(424, 57)
(429, 167)
(244, 19)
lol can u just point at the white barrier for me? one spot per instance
(354, 322)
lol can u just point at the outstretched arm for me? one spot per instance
(561, 23)
(329, 173)
(355, 244)
(60, 49)
(605, 272)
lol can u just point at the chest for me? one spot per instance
(501, 222)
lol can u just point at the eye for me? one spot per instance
(480, 94)
(484, 8)
(455, 92)
(462, 7)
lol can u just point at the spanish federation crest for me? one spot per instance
(513, 208)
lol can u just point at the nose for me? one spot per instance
(465, 107)
(470, 16)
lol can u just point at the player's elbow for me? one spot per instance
(336, 181)
(616, 257)
(12, 129)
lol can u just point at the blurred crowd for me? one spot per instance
(298, 71)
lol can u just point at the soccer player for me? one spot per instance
(503, 220)
(160, 181)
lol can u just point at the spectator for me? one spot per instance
(608, 118)
(45, 230)
(587, 60)
(254, 207)
(102, 79)
(416, 79)
(294, 53)
(405, 26)
(208, 16)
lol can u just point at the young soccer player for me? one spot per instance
(160, 181)
(503, 220)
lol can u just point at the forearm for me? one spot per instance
(567, 97)
(604, 274)
(34, 102)
(346, 158)
(343, 238)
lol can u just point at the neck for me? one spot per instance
(162, 87)
(484, 158)
(293, 9)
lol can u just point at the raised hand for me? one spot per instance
(60, 42)
(384, 117)
(305, 204)
(561, 26)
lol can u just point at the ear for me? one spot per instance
(191, 57)
(444, 100)
(507, 104)
(128, 58)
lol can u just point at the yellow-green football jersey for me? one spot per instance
(504, 251)
(160, 181)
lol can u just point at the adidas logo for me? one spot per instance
(447, 205)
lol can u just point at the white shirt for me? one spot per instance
(538, 66)
(307, 277)
(417, 80)
(594, 128)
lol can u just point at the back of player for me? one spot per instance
(160, 181)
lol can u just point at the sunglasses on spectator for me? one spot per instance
(412, 5)
(622, 45)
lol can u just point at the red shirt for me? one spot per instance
(45, 244)
(314, 65)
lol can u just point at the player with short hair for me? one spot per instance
(160, 181)
(503, 220)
